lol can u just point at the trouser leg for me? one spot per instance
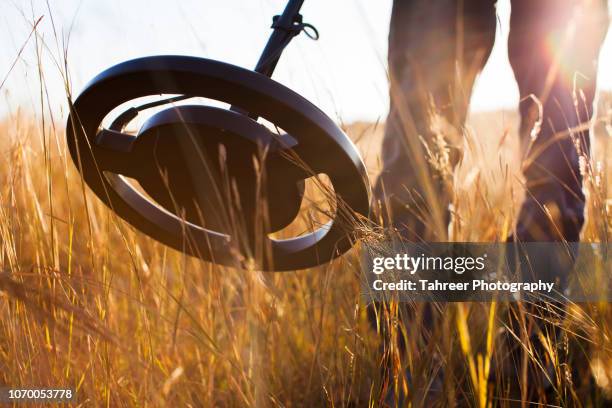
(553, 49)
(436, 49)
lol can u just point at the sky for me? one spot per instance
(344, 73)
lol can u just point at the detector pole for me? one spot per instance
(286, 26)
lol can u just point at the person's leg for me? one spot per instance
(436, 49)
(553, 49)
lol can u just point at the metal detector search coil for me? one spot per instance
(184, 156)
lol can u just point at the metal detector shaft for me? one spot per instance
(280, 38)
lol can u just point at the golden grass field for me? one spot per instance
(89, 303)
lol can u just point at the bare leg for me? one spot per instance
(436, 49)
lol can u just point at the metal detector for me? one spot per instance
(216, 183)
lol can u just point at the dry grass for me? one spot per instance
(89, 303)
